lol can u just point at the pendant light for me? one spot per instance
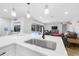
(46, 10)
(13, 12)
(28, 14)
(5, 10)
(66, 12)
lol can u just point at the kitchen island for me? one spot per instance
(19, 48)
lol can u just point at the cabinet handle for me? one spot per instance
(3, 53)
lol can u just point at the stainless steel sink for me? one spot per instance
(42, 43)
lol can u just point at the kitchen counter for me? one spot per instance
(20, 38)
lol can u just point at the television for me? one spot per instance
(54, 27)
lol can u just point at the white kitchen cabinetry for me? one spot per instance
(17, 50)
(20, 23)
(8, 50)
(22, 51)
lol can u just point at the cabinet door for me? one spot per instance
(8, 50)
(22, 51)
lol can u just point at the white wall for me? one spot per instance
(4, 23)
(29, 22)
(25, 24)
(64, 28)
(48, 26)
(74, 27)
(76, 24)
(19, 21)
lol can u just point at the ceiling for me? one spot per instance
(56, 11)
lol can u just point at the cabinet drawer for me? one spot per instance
(8, 50)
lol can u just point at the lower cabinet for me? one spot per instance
(23, 51)
(8, 50)
(18, 50)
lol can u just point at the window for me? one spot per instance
(33, 28)
(37, 27)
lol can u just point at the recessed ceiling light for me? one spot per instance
(40, 17)
(66, 12)
(5, 10)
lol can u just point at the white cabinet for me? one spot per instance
(8, 50)
(19, 22)
(17, 50)
(23, 51)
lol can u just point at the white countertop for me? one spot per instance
(20, 38)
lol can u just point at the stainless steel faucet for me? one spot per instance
(43, 36)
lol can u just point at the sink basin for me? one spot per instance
(42, 43)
